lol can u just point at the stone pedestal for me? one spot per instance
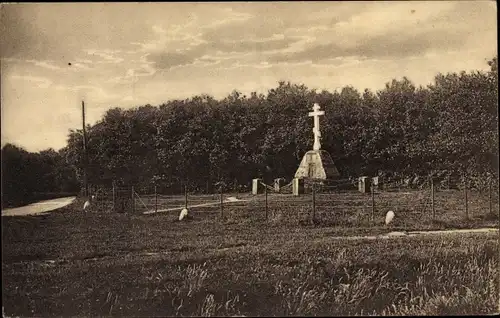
(364, 184)
(317, 164)
(297, 186)
(257, 187)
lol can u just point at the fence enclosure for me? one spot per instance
(335, 202)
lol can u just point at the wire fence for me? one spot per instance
(333, 202)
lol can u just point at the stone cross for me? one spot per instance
(317, 133)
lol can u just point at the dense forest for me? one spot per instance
(28, 176)
(449, 127)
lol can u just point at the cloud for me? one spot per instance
(167, 60)
(238, 65)
(82, 66)
(106, 55)
(187, 43)
(40, 82)
(230, 16)
(159, 29)
(245, 31)
(214, 52)
(145, 69)
(137, 68)
(51, 64)
(177, 35)
(254, 45)
(236, 36)
(383, 46)
(372, 31)
(45, 64)
(84, 61)
(379, 18)
(380, 30)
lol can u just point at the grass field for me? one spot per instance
(73, 264)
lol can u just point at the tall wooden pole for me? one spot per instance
(85, 156)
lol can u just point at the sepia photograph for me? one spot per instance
(249, 159)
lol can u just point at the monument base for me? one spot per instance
(317, 164)
(297, 186)
(257, 187)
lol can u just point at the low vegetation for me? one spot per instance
(70, 263)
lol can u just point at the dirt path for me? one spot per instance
(228, 200)
(39, 207)
(414, 233)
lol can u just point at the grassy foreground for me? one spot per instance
(68, 263)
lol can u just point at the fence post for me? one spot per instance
(114, 198)
(156, 200)
(432, 199)
(466, 203)
(265, 191)
(221, 203)
(313, 202)
(185, 196)
(489, 196)
(133, 200)
(373, 203)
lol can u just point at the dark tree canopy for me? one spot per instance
(26, 173)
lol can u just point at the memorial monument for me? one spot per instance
(317, 163)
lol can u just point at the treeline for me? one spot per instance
(448, 127)
(28, 176)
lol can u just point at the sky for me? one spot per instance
(54, 55)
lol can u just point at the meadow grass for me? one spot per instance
(97, 264)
